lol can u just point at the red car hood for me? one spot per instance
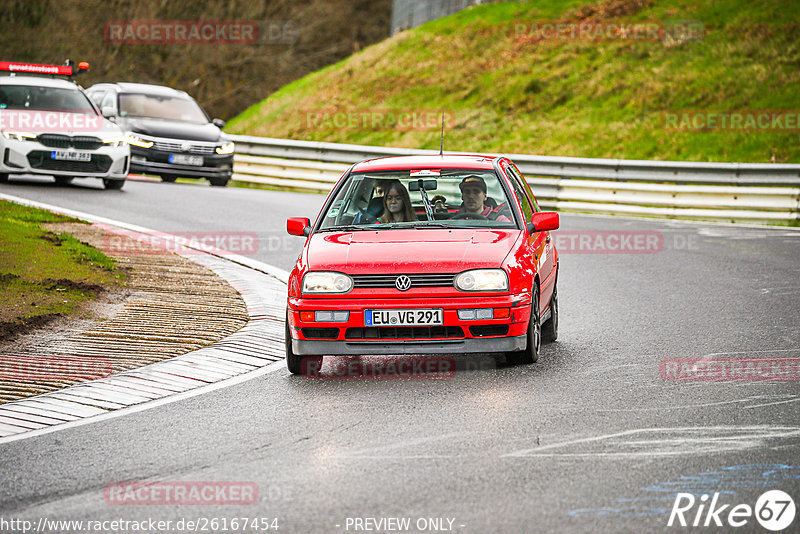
(410, 251)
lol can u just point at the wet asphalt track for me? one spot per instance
(590, 439)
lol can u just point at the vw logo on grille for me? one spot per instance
(186, 147)
(403, 283)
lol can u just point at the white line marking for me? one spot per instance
(770, 404)
(275, 366)
(788, 229)
(739, 438)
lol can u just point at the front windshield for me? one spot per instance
(456, 198)
(31, 97)
(161, 107)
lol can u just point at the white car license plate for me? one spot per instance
(426, 317)
(69, 155)
(184, 159)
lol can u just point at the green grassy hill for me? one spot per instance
(507, 87)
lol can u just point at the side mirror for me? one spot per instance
(298, 226)
(219, 123)
(108, 112)
(543, 221)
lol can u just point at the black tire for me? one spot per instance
(219, 182)
(550, 327)
(168, 178)
(299, 365)
(113, 184)
(3, 178)
(531, 352)
(63, 180)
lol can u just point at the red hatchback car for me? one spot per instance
(424, 255)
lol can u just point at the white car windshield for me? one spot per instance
(451, 198)
(32, 97)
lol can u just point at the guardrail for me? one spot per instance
(754, 192)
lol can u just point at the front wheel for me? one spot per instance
(113, 184)
(531, 352)
(169, 178)
(3, 178)
(299, 365)
(550, 328)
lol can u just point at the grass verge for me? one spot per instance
(507, 87)
(42, 274)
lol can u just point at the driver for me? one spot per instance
(475, 201)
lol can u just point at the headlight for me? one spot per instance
(482, 280)
(19, 136)
(135, 140)
(227, 148)
(326, 282)
(115, 141)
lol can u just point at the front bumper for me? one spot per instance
(454, 336)
(151, 161)
(460, 346)
(32, 157)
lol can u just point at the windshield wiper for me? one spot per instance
(348, 228)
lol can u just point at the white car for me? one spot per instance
(49, 126)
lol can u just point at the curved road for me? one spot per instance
(597, 436)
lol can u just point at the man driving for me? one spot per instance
(475, 201)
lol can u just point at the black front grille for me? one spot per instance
(55, 141)
(40, 159)
(65, 141)
(320, 333)
(403, 332)
(417, 280)
(489, 330)
(86, 143)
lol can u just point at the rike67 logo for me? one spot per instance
(774, 510)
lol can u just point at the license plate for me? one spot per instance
(184, 159)
(425, 317)
(69, 155)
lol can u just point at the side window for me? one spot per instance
(527, 188)
(96, 97)
(109, 100)
(527, 210)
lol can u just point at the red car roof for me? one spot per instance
(426, 162)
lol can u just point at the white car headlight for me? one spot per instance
(482, 280)
(19, 136)
(135, 140)
(326, 282)
(227, 148)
